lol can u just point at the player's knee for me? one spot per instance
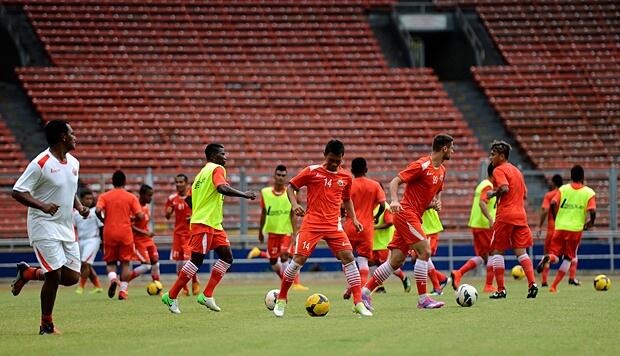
(273, 261)
(346, 257)
(52, 276)
(299, 259)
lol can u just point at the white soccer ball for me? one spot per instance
(270, 298)
(466, 295)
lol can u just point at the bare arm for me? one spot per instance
(169, 211)
(25, 198)
(348, 206)
(229, 191)
(263, 215)
(77, 205)
(380, 211)
(293, 223)
(590, 223)
(395, 204)
(292, 197)
(485, 212)
(554, 209)
(499, 192)
(98, 211)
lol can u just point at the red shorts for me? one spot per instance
(146, 250)
(361, 242)
(180, 248)
(408, 232)
(306, 241)
(380, 256)
(118, 251)
(434, 240)
(205, 238)
(565, 243)
(548, 240)
(508, 236)
(482, 241)
(277, 244)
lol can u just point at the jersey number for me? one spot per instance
(305, 245)
(328, 182)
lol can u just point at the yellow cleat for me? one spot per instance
(96, 291)
(79, 290)
(255, 252)
(298, 287)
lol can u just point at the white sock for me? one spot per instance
(112, 276)
(124, 286)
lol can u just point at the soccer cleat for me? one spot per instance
(347, 294)
(532, 291)
(112, 289)
(367, 300)
(406, 284)
(429, 303)
(280, 308)
(444, 283)
(195, 288)
(541, 265)
(208, 302)
(488, 288)
(498, 294)
(48, 329)
(553, 290)
(380, 290)
(545, 284)
(19, 282)
(574, 282)
(122, 295)
(456, 279)
(298, 287)
(437, 292)
(255, 252)
(361, 309)
(79, 290)
(96, 290)
(172, 304)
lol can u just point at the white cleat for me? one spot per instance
(361, 309)
(172, 304)
(279, 309)
(208, 302)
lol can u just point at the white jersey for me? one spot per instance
(51, 181)
(87, 228)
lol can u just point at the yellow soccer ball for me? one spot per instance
(317, 305)
(517, 272)
(602, 282)
(154, 288)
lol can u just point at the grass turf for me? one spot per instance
(577, 320)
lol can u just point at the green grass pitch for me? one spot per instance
(577, 320)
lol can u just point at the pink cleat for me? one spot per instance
(429, 303)
(367, 300)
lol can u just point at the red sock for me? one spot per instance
(468, 266)
(371, 284)
(287, 281)
(400, 274)
(296, 281)
(498, 270)
(433, 276)
(32, 274)
(490, 275)
(185, 275)
(558, 278)
(46, 320)
(528, 268)
(95, 281)
(364, 275)
(440, 276)
(420, 272)
(264, 254)
(83, 281)
(352, 276)
(572, 271)
(219, 269)
(545, 274)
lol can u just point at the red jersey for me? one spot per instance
(546, 204)
(326, 191)
(119, 206)
(143, 223)
(366, 194)
(510, 206)
(182, 213)
(423, 181)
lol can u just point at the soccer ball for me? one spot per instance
(517, 272)
(466, 295)
(317, 305)
(270, 298)
(154, 288)
(602, 282)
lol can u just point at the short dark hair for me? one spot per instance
(212, 149)
(281, 168)
(441, 140)
(501, 147)
(54, 130)
(557, 180)
(490, 169)
(181, 175)
(334, 146)
(577, 174)
(145, 188)
(118, 178)
(84, 192)
(359, 166)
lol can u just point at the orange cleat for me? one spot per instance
(553, 290)
(456, 279)
(122, 295)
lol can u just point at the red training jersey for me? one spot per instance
(326, 191)
(143, 223)
(511, 205)
(182, 213)
(366, 194)
(119, 206)
(423, 181)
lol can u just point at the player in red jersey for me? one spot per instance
(146, 250)
(424, 179)
(545, 214)
(329, 186)
(510, 229)
(181, 253)
(366, 194)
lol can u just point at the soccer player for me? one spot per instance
(47, 187)
(424, 179)
(329, 186)
(89, 235)
(175, 204)
(431, 224)
(510, 228)
(366, 194)
(576, 212)
(207, 232)
(146, 250)
(481, 220)
(545, 214)
(277, 220)
(115, 209)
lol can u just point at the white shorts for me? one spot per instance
(53, 254)
(89, 249)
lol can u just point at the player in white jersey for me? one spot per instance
(89, 235)
(47, 187)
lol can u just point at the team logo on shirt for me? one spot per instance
(340, 182)
(74, 172)
(52, 170)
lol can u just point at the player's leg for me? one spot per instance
(571, 244)
(521, 240)
(574, 245)
(154, 257)
(398, 255)
(85, 270)
(94, 279)
(111, 256)
(145, 262)
(545, 266)
(219, 269)
(127, 253)
(472, 263)
(500, 241)
(25, 273)
(352, 276)
(420, 272)
(273, 249)
(89, 257)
